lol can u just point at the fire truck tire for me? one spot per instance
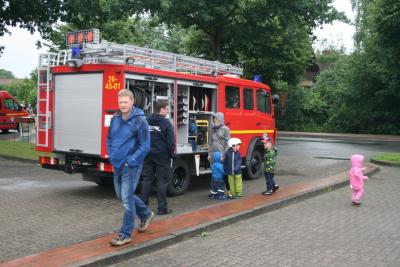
(254, 168)
(180, 179)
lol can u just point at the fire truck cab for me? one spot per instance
(78, 96)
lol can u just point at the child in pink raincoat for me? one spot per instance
(357, 178)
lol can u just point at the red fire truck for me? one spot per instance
(78, 96)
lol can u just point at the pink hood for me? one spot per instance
(356, 161)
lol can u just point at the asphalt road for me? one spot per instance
(42, 209)
(334, 149)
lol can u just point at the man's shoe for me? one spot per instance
(164, 212)
(276, 187)
(120, 240)
(145, 223)
(267, 192)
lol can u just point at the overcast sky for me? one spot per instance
(21, 56)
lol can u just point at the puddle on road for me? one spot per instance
(18, 184)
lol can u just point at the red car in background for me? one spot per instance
(11, 112)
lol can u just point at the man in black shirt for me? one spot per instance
(157, 165)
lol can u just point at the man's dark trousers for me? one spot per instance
(158, 168)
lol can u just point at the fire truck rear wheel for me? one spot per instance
(180, 179)
(254, 168)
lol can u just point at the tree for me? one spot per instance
(29, 14)
(376, 77)
(224, 21)
(5, 74)
(142, 31)
(362, 90)
(271, 38)
(281, 37)
(24, 90)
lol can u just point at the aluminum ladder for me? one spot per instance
(44, 85)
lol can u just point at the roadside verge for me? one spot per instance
(384, 163)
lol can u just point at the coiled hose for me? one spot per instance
(142, 99)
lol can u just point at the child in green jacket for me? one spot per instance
(269, 166)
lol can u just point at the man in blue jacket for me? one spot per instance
(128, 142)
(157, 165)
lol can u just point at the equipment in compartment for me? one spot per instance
(192, 132)
(182, 109)
(142, 98)
(200, 99)
(202, 134)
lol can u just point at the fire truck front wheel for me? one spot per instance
(180, 179)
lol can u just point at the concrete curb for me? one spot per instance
(384, 163)
(339, 136)
(188, 233)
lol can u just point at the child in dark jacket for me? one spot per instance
(269, 166)
(217, 177)
(233, 167)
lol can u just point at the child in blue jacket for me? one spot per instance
(217, 177)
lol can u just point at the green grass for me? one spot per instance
(388, 157)
(18, 149)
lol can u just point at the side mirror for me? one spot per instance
(275, 99)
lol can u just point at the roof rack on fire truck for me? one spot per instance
(107, 52)
(92, 51)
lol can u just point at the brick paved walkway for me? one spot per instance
(55, 209)
(171, 229)
(321, 231)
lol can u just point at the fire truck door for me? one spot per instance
(77, 113)
(264, 118)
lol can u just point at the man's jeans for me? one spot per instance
(125, 182)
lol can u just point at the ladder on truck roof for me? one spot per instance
(107, 52)
(43, 115)
(113, 53)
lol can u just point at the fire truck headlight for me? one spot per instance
(75, 63)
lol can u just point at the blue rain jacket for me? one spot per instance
(128, 141)
(217, 168)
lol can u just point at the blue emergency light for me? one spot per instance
(257, 78)
(75, 52)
